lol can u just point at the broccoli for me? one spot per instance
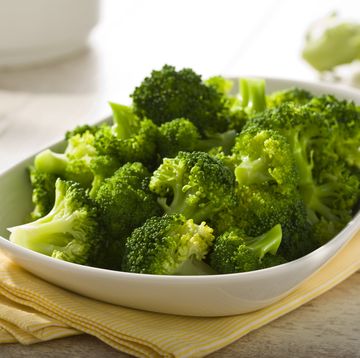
(264, 157)
(294, 95)
(250, 100)
(74, 163)
(169, 94)
(182, 135)
(43, 192)
(168, 245)
(331, 42)
(71, 231)
(129, 139)
(193, 184)
(325, 184)
(234, 251)
(125, 200)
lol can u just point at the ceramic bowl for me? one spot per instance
(215, 295)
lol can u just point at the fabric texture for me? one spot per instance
(33, 310)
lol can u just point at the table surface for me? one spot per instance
(38, 104)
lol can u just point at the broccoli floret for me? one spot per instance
(294, 95)
(265, 157)
(331, 42)
(168, 94)
(74, 163)
(182, 135)
(324, 183)
(193, 184)
(125, 200)
(43, 192)
(168, 245)
(129, 139)
(69, 232)
(234, 251)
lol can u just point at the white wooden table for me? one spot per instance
(229, 37)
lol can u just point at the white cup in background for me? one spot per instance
(38, 31)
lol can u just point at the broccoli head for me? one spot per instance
(168, 245)
(234, 251)
(71, 231)
(125, 200)
(168, 94)
(293, 95)
(194, 184)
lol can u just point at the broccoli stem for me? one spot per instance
(125, 121)
(252, 92)
(268, 242)
(225, 140)
(252, 172)
(50, 162)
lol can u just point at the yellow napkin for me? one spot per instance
(32, 310)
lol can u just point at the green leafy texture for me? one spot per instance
(193, 184)
(234, 251)
(125, 200)
(43, 192)
(294, 95)
(69, 232)
(331, 42)
(168, 245)
(168, 94)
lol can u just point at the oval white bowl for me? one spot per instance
(216, 295)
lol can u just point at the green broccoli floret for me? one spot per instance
(69, 232)
(250, 100)
(323, 182)
(331, 42)
(43, 192)
(168, 245)
(182, 135)
(168, 94)
(294, 95)
(74, 163)
(129, 139)
(265, 157)
(125, 200)
(193, 184)
(234, 251)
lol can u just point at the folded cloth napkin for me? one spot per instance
(33, 310)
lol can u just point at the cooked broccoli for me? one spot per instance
(129, 139)
(331, 42)
(168, 245)
(294, 95)
(182, 135)
(43, 192)
(70, 231)
(125, 200)
(324, 184)
(234, 251)
(74, 163)
(168, 94)
(193, 184)
(265, 157)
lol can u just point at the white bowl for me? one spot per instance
(216, 295)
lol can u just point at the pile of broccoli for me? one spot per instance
(194, 179)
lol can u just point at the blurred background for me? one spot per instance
(100, 50)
